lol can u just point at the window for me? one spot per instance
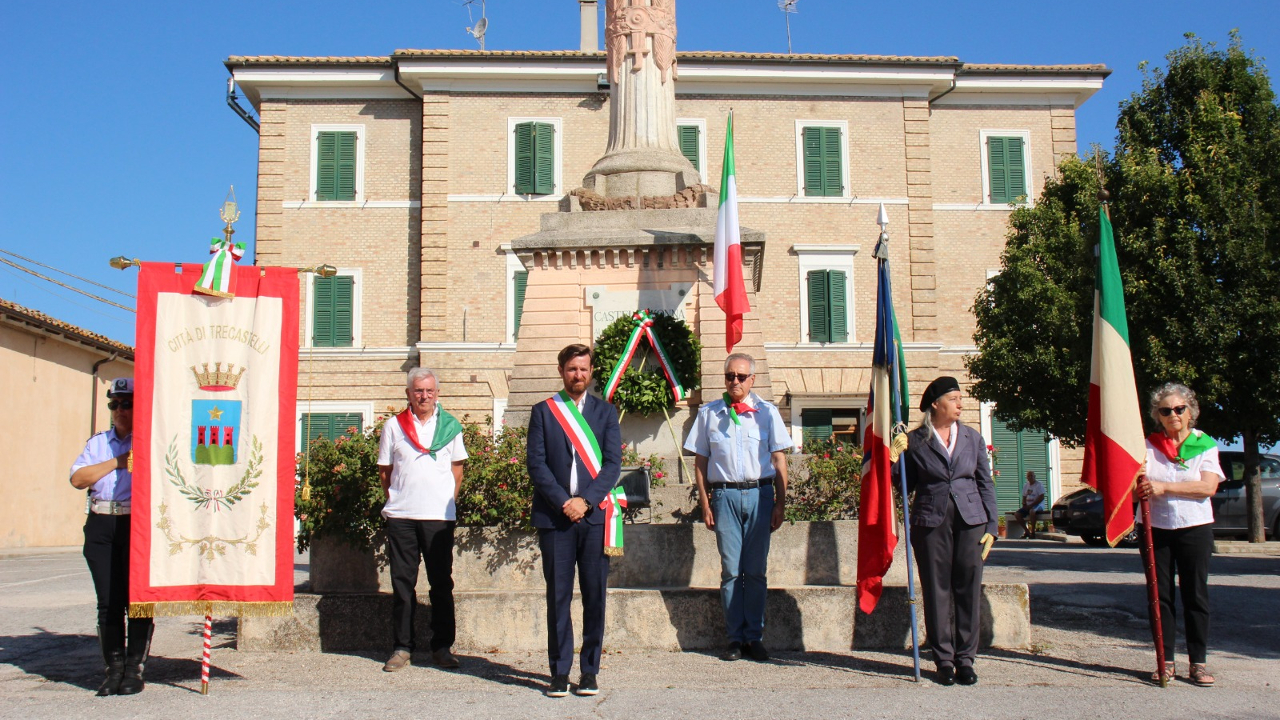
(828, 306)
(1005, 166)
(816, 424)
(1019, 452)
(328, 425)
(691, 134)
(333, 318)
(337, 172)
(820, 151)
(535, 152)
(838, 424)
(518, 283)
(826, 292)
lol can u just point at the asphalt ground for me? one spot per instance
(1090, 657)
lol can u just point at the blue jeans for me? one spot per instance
(742, 520)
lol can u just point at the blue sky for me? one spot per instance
(116, 138)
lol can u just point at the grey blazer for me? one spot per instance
(965, 477)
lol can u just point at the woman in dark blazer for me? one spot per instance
(953, 523)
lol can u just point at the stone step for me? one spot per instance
(808, 618)
(660, 555)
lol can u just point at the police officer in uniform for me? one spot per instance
(104, 469)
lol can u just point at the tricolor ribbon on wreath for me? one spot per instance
(218, 278)
(643, 328)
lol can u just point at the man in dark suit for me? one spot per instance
(953, 523)
(574, 459)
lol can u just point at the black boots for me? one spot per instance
(140, 630)
(111, 639)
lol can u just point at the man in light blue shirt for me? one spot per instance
(741, 471)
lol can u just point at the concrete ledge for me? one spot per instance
(1240, 547)
(798, 618)
(658, 556)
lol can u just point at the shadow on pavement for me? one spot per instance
(75, 659)
(501, 673)
(1062, 664)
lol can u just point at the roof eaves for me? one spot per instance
(24, 315)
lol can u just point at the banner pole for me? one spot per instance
(906, 535)
(1153, 595)
(204, 662)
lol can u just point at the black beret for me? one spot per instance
(939, 387)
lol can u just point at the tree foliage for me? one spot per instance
(1195, 185)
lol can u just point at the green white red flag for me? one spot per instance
(730, 290)
(1114, 447)
(612, 506)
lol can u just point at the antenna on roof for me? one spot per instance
(481, 25)
(788, 7)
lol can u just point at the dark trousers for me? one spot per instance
(408, 542)
(1185, 551)
(106, 550)
(950, 561)
(579, 547)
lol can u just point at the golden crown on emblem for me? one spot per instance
(218, 379)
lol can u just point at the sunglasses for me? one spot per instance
(1167, 411)
(120, 405)
(740, 377)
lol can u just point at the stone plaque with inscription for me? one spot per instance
(609, 305)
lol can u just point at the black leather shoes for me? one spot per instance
(587, 684)
(559, 686)
(966, 676)
(946, 675)
(733, 652)
(757, 651)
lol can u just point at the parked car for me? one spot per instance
(1080, 512)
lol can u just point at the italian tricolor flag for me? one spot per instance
(730, 291)
(1114, 447)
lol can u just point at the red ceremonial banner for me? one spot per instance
(213, 467)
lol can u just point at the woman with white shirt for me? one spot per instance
(1182, 473)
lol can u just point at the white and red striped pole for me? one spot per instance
(204, 662)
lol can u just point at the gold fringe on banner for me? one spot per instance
(216, 608)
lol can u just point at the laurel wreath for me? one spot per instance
(210, 497)
(646, 391)
(212, 547)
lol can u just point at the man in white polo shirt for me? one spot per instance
(420, 464)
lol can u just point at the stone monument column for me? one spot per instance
(643, 156)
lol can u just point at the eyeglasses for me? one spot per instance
(740, 377)
(120, 405)
(1178, 410)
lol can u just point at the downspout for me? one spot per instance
(233, 102)
(93, 403)
(395, 68)
(942, 94)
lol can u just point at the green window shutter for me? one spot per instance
(336, 166)
(329, 425)
(343, 311)
(524, 158)
(519, 282)
(688, 135)
(333, 312)
(326, 165)
(823, 162)
(1008, 483)
(1006, 169)
(1016, 168)
(812, 141)
(819, 307)
(322, 313)
(837, 296)
(1033, 452)
(815, 425)
(544, 158)
(833, 184)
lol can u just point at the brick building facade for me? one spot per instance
(429, 205)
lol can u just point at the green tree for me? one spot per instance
(1195, 183)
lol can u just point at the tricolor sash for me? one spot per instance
(447, 428)
(575, 427)
(612, 506)
(218, 277)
